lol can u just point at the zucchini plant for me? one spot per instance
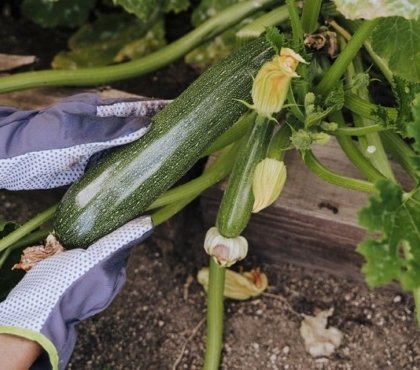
(305, 78)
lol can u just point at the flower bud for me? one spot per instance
(225, 251)
(272, 82)
(239, 286)
(269, 179)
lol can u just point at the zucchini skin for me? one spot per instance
(125, 182)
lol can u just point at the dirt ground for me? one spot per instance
(159, 314)
(161, 307)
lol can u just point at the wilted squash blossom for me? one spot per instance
(238, 285)
(272, 82)
(225, 251)
(268, 182)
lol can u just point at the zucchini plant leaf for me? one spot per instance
(143, 9)
(395, 253)
(111, 38)
(218, 48)
(413, 131)
(275, 38)
(369, 9)
(66, 13)
(397, 40)
(149, 9)
(405, 93)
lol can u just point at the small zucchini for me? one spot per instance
(129, 179)
(238, 199)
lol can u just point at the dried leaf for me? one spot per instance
(32, 255)
(319, 340)
(239, 286)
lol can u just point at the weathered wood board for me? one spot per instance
(313, 223)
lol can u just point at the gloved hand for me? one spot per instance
(51, 147)
(66, 288)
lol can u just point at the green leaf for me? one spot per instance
(275, 38)
(394, 253)
(111, 38)
(354, 9)
(413, 128)
(413, 131)
(397, 40)
(176, 6)
(154, 39)
(218, 48)
(66, 13)
(405, 93)
(151, 9)
(143, 9)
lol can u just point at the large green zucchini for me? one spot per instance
(128, 180)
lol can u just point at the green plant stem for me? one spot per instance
(357, 131)
(233, 134)
(365, 108)
(378, 158)
(257, 27)
(291, 101)
(23, 242)
(279, 143)
(353, 153)
(400, 151)
(216, 172)
(214, 316)
(26, 228)
(380, 63)
(297, 30)
(334, 73)
(310, 15)
(165, 213)
(333, 178)
(99, 75)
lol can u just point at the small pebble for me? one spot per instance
(397, 299)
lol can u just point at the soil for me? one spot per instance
(162, 305)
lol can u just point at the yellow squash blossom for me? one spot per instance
(272, 82)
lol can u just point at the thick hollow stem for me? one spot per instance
(357, 131)
(334, 178)
(151, 62)
(257, 27)
(279, 143)
(310, 14)
(165, 213)
(214, 316)
(297, 30)
(354, 154)
(334, 73)
(365, 108)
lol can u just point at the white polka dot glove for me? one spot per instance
(66, 288)
(51, 147)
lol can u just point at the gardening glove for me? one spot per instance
(66, 288)
(51, 147)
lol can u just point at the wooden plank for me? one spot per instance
(313, 224)
(42, 97)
